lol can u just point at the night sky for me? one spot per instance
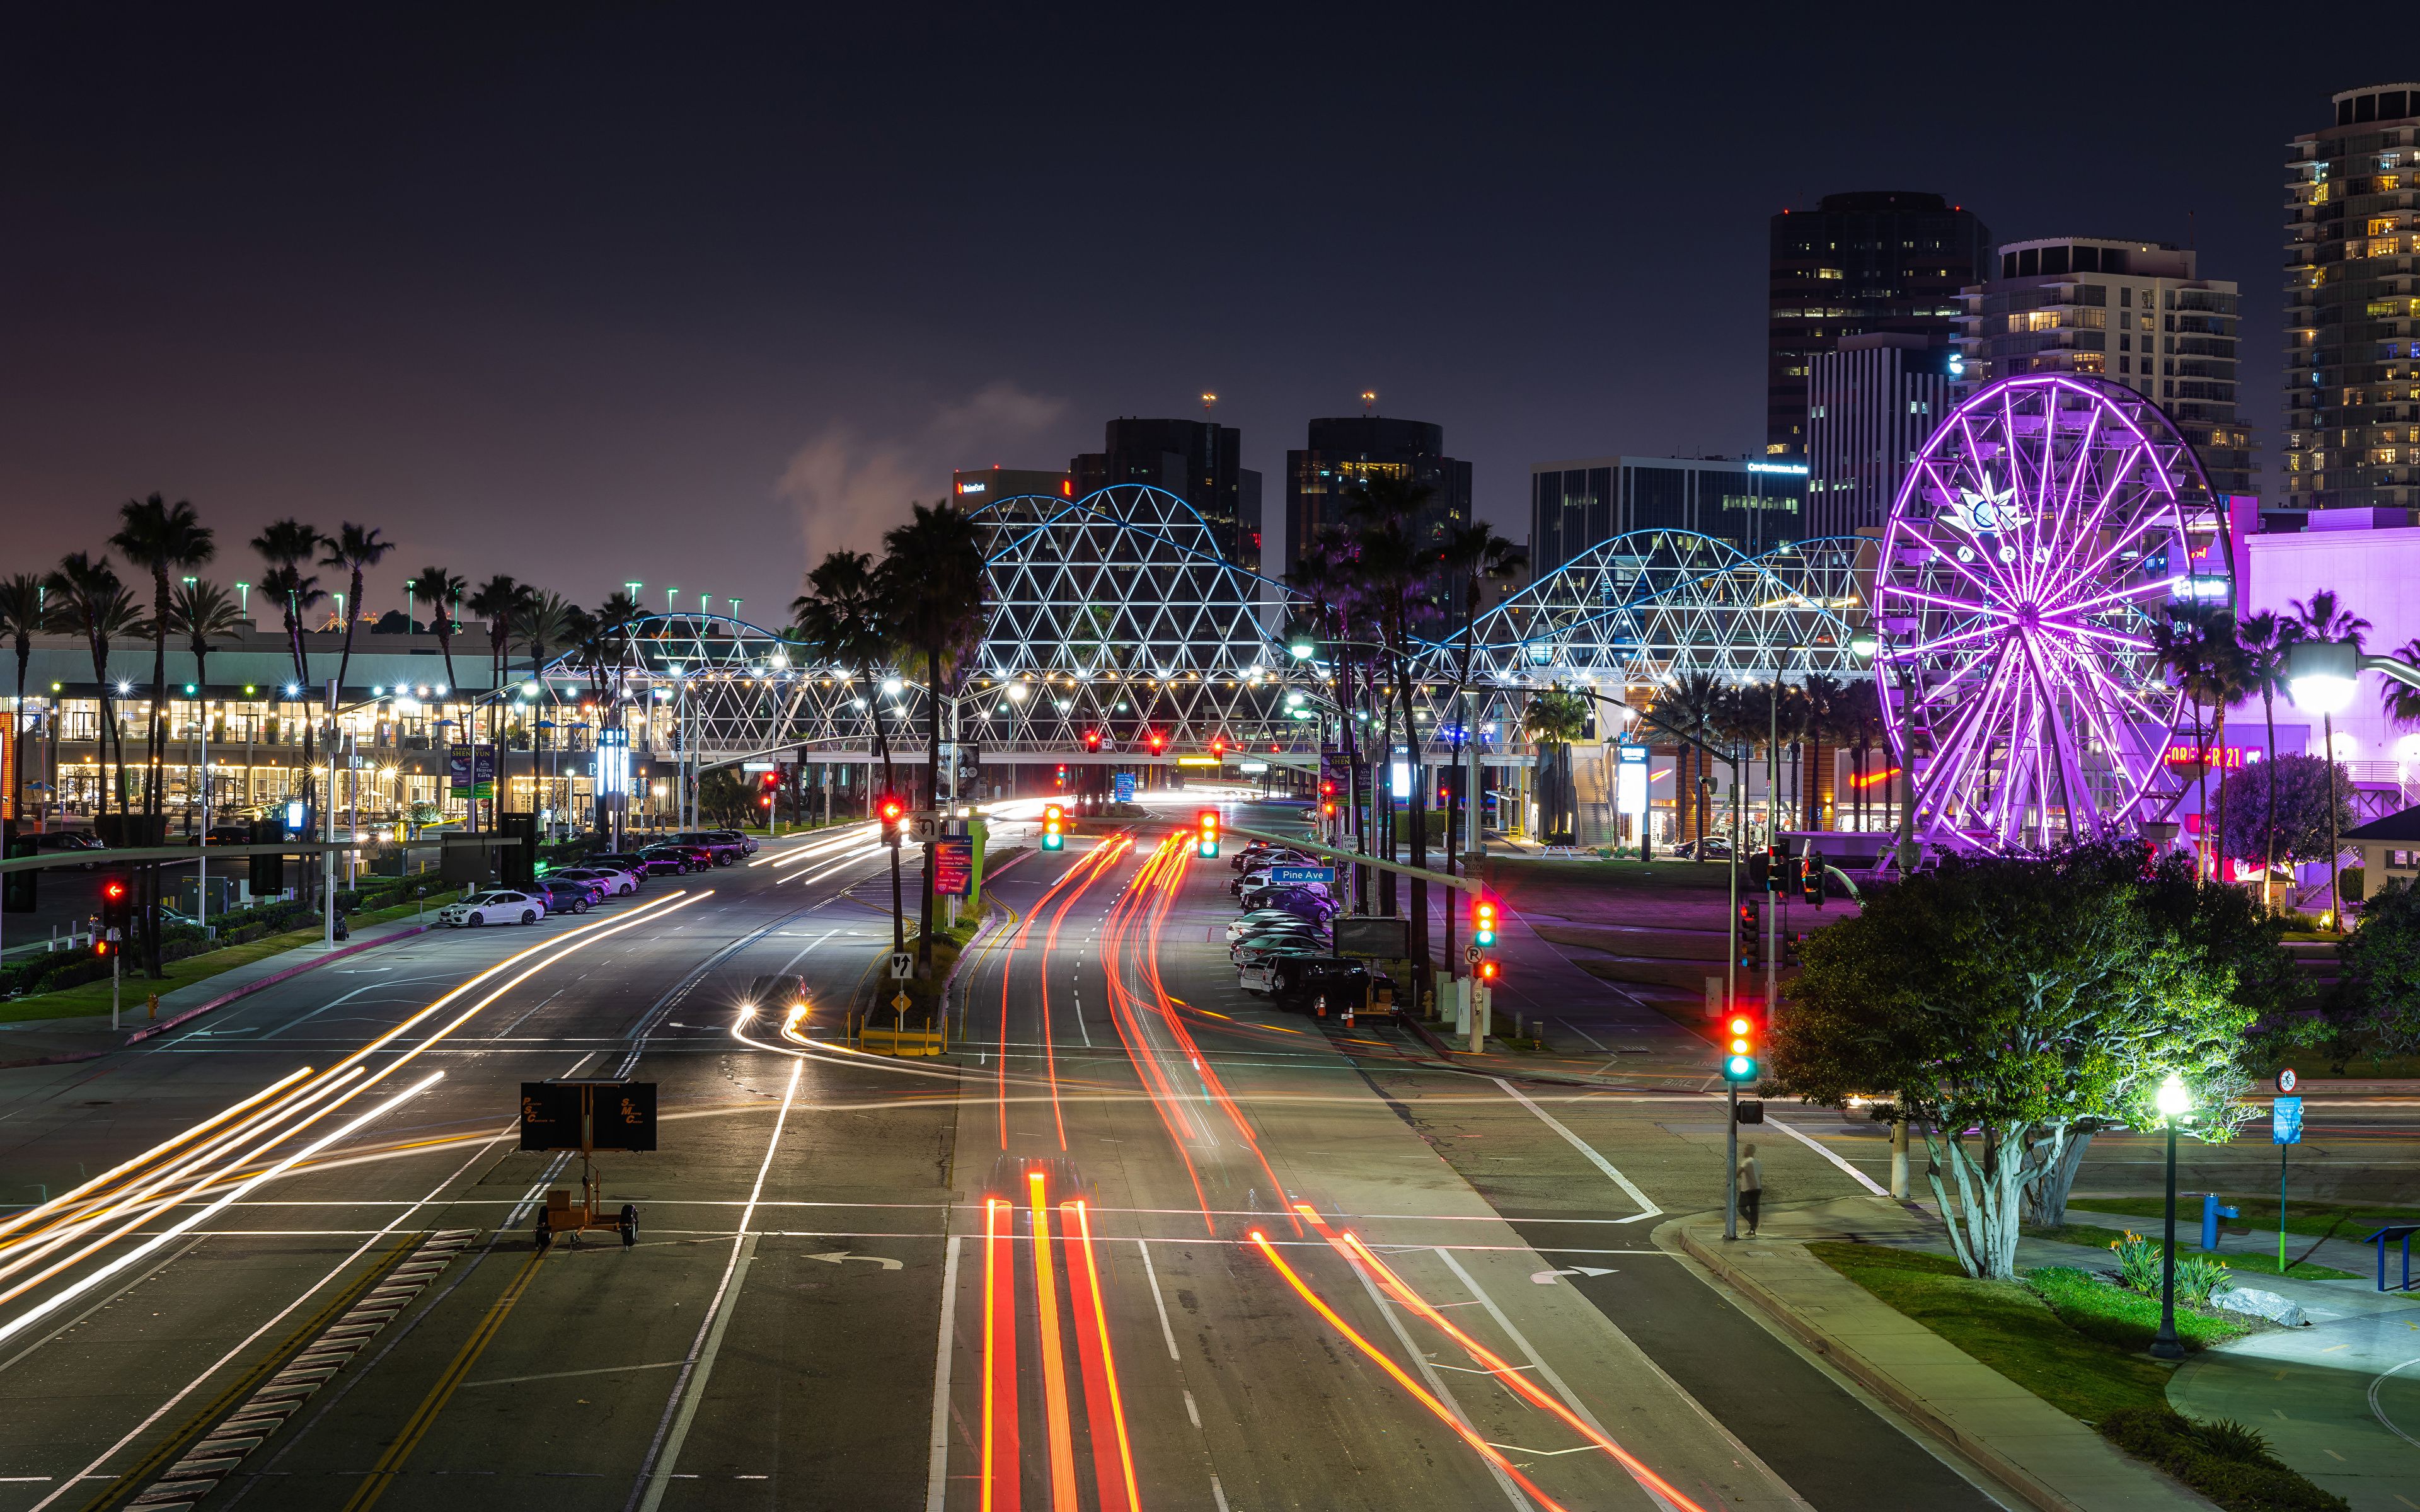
(686, 294)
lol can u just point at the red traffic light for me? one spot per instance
(1091, 740)
(113, 890)
(1156, 742)
(1218, 748)
(892, 809)
(1488, 971)
(1209, 820)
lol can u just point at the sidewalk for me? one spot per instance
(2343, 1254)
(53, 1041)
(2056, 1462)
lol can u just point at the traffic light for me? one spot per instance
(1739, 1048)
(1206, 846)
(116, 905)
(1744, 929)
(1810, 878)
(767, 784)
(1482, 923)
(1488, 971)
(1219, 749)
(1774, 872)
(1157, 741)
(893, 811)
(1091, 740)
(1054, 827)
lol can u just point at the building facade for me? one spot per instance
(1199, 461)
(2138, 312)
(1870, 407)
(1347, 450)
(1886, 261)
(2352, 308)
(1574, 505)
(970, 487)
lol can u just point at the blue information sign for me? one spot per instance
(2286, 1120)
(1122, 785)
(1302, 873)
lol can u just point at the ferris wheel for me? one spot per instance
(2044, 531)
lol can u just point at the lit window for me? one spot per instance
(1830, 272)
(2381, 226)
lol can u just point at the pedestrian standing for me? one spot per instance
(1751, 1186)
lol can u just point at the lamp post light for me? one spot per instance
(2172, 1100)
(2320, 677)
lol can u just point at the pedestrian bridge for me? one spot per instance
(1114, 632)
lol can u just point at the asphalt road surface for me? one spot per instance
(1137, 1240)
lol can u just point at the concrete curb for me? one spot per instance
(270, 981)
(1874, 1379)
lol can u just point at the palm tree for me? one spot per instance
(2222, 675)
(545, 622)
(847, 618)
(201, 610)
(1823, 712)
(497, 601)
(1322, 574)
(441, 591)
(1390, 561)
(1554, 720)
(21, 618)
(2323, 618)
(287, 546)
(1689, 708)
(161, 538)
(2264, 639)
(1477, 555)
(353, 548)
(933, 566)
(94, 603)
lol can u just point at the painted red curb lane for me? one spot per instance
(272, 981)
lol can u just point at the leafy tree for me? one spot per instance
(2264, 639)
(2030, 1001)
(2294, 794)
(2378, 1003)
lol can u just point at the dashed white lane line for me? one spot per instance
(1627, 1186)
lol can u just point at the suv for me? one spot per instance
(721, 847)
(674, 859)
(497, 908)
(1299, 980)
(746, 841)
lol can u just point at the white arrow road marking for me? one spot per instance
(839, 1255)
(1546, 1278)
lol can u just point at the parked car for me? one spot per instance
(1279, 942)
(568, 895)
(227, 835)
(63, 842)
(1294, 900)
(499, 907)
(1261, 853)
(1253, 924)
(1296, 981)
(616, 881)
(1713, 848)
(721, 847)
(628, 862)
(674, 861)
(746, 841)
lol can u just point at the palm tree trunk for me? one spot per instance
(352, 616)
(2269, 866)
(2218, 820)
(932, 800)
(882, 748)
(2201, 784)
(1353, 778)
(2335, 900)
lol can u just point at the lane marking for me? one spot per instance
(1157, 1300)
(567, 1375)
(1496, 1465)
(1860, 1176)
(937, 1467)
(382, 1473)
(1628, 1186)
(663, 1452)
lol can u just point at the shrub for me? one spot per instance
(2225, 1462)
(2197, 1276)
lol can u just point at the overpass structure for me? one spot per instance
(1115, 633)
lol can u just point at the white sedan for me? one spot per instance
(616, 883)
(493, 908)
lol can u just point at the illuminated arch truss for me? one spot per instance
(1113, 616)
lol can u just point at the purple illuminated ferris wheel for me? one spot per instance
(2041, 534)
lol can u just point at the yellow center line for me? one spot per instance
(383, 1473)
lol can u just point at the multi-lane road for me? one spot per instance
(1137, 1241)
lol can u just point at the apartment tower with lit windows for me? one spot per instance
(2352, 305)
(2137, 311)
(1884, 261)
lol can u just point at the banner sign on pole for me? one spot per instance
(2286, 1120)
(954, 865)
(457, 769)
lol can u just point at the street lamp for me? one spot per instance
(2320, 676)
(2172, 1099)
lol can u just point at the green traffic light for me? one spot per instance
(1739, 1069)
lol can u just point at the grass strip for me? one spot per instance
(2093, 1235)
(87, 998)
(2344, 1220)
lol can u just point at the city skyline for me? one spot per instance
(220, 305)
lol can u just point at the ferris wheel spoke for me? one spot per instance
(1969, 660)
(2093, 570)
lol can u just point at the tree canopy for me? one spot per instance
(2299, 786)
(2030, 1001)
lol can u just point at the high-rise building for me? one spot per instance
(1870, 406)
(970, 487)
(1349, 450)
(2138, 312)
(2352, 308)
(1751, 503)
(1197, 460)
(1882, 261)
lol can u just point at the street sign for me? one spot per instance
(903, 964)
(2286, 1120)
(1296, 874)
(1121, 787)
(1470, 953)
(923, 826)
(615, 1116)
(1362, 937)
(2287, 1080)
(953, 860)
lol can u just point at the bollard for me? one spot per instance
(152, 1006)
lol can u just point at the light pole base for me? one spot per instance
(2168, 1349)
